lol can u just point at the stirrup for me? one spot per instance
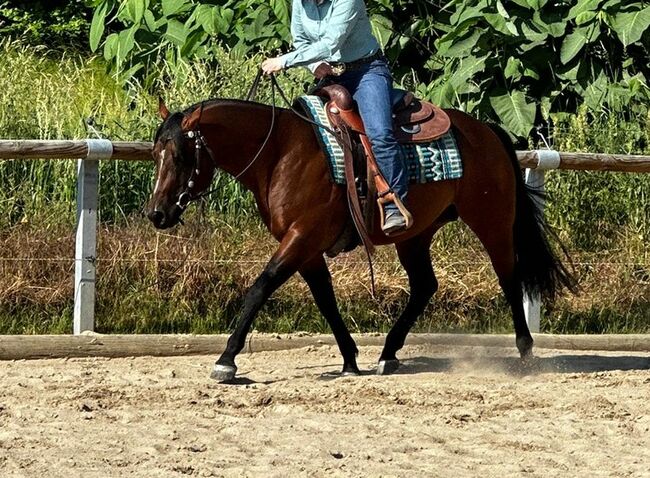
(391, 197)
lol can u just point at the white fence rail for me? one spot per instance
(89, 152)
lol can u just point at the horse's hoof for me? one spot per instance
(387, 367)
(223, 373)
(350, 373)
(525, 347)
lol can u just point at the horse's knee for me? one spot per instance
(425, 288)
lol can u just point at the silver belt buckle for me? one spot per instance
(338, 69)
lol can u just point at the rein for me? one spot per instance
(187, 196)
(347, 142)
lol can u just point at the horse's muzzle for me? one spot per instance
(158, 218)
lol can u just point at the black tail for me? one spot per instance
(537, 266)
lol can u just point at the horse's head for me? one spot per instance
(184, 166)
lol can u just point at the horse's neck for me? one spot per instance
(236, 132)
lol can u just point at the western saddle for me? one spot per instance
(414, 121)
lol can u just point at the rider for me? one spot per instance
(339, 31)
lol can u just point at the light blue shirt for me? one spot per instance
(332, 31)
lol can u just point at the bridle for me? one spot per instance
(187, 196)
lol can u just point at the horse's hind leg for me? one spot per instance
(318, 278)
(414, 256)
(498, 239)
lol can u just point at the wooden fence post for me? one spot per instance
(86, 241)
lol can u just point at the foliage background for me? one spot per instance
(515, 61)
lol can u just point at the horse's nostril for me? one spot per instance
(157, 217)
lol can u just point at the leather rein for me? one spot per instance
(200, 144)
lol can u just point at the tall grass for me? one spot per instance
(42, 98)
(192, 279)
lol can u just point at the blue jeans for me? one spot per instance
(371, 86)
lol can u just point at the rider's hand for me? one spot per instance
(322, 70)
(272, 65)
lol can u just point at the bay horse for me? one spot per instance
(307, 213)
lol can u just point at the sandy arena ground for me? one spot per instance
(460, 412)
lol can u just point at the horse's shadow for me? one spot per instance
(533, 366)
(477, 364)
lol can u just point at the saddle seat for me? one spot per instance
(414, 120)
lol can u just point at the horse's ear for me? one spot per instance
(191, 120)
(162, 108)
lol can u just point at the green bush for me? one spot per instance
(515, 62)
(60, 24)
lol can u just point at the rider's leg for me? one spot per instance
(373, 95)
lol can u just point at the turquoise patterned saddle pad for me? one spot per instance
(427, 162)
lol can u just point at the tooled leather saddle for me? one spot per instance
(414, 121)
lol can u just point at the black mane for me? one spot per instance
(170, 129)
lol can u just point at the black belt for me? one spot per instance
(339, 68)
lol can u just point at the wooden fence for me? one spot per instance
(89, 152)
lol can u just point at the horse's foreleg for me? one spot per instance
(284, 263)
(414, 256)
(318, 278)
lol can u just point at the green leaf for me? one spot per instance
(522, 3)
(150, 21)
(537, 4)
(459, 48)
(530, 73)
(126, 42)
(194, 41)
(583, 6)
(176, 32)
(97, 25)
(172, 7)
(110, 46)
(382, 28)
(227, 16)
(585, 17)
(570, 74)
(462, 76)
(555, 29)
(502, 10)
(208, 17)
(531, 34)
(497, 22)
(517, 115)
(281, 10)
(135, 10)
(595, 93)
(572, 45)
(630, 26)
(513, 68)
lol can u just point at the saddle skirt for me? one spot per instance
(434, 160)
